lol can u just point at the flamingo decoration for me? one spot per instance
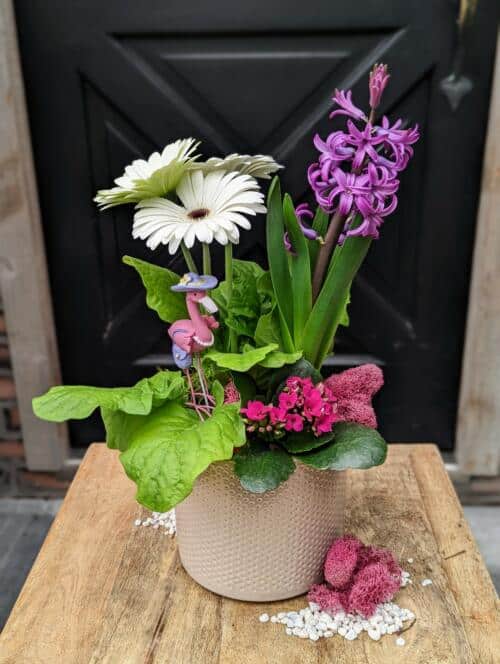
(192, 336)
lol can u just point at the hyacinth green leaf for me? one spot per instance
(278, 263)
(277, 359)
(157, 281)
(353, 446)
(173, 447)
(261, 471)
(320, 225)
(304, 441)
(243, 361)
(329, 309)
(300, 268)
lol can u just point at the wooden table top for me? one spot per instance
(103, 590)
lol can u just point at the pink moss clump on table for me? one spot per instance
(354, 390)
(231, 394)
(357, 578)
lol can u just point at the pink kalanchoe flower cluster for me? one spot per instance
(356, 172)
(302, 406)
(357, 578)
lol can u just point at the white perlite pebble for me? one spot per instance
(160, 520)
(410, 560)
(427, 582)
(264, 617)
(312, 623)
(400, 641)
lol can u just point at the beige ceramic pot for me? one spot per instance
(259, 547)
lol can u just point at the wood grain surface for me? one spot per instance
(105, 591)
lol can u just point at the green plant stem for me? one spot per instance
(324, 254)
(228, 268)
(188, 257)
(207, 261)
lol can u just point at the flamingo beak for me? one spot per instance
(209, 304)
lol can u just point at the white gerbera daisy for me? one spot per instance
(156, 176)
(213, 206)
(258, 166)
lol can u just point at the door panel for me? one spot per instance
(107, 84)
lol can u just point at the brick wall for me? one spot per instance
(15, 479)
(10, 430)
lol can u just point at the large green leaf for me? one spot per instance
(277, 359)
(261, 471)
(173, 447)
(354, 446)
(157, 281)
(267, 330)
(278, 263)
(300, 269)
(76, 402)
(240, 361)
(305, 441)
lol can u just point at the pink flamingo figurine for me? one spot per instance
(194, 335)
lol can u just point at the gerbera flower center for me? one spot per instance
(200, 213)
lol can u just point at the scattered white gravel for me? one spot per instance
(400, 641)
(312, 623)
(160, 520)
(410, 560)
(426, 582)
(405, 579)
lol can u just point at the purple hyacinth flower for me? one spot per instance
(364, 141)
(378, 81)
(348, 187)
(344, 101)
(302, 211)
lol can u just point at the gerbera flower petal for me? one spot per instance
(259, 165)
(156, 176)
(214, 204)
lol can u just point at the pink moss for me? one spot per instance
(354, 390)
(357, 577)
(341, 561)
(231, 394)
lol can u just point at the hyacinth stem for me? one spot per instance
(188, 257)
(228, 268)
(207, 261)
(331, 239)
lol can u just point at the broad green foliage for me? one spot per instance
(262, 470)
(172, 447)
(243, 361)
(354, 446)
(276, 359)
(79, 401)
(157, 281)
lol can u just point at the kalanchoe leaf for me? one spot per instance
(354, 446)
(304, 441)
(261, 471)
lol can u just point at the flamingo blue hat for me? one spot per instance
(195, 282)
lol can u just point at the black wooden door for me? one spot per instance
(110, 81)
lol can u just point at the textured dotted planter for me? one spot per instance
(259, 547)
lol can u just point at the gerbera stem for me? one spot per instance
(207, 261)
(188, 257)
(228, 268)
(331, 238)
